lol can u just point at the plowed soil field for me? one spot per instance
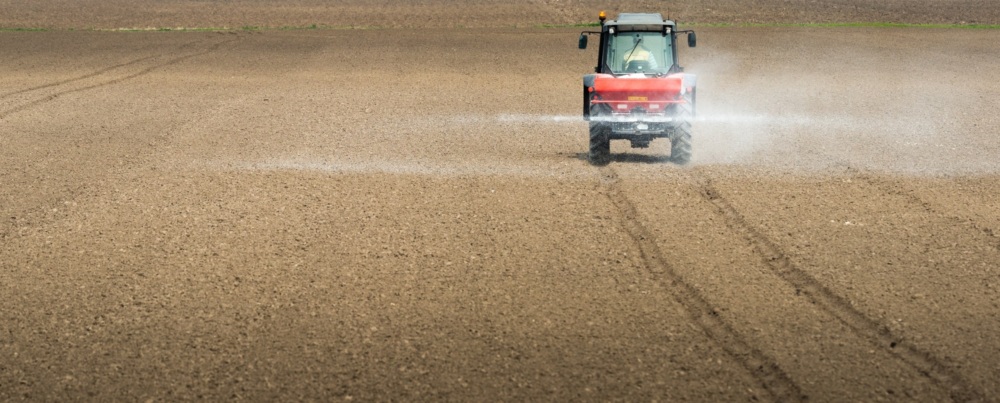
(408, 214)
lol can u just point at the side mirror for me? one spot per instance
(692, 39)
(583, 41)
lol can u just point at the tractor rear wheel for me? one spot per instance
(680, 141)
(680, 145)
(600, 144)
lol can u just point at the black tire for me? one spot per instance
(680, 141)
(680, 145)
(600, 144)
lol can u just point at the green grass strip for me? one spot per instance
(838, 25)
(248, 28)
(580, 25)
(683, 24)
(2, 29)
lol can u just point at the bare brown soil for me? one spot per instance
(408, 215)
(113, 14)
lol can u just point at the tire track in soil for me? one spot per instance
(70, 80)
(7, 227)
(911, 197)
(27, 105)
(805, 285)
(765, 369)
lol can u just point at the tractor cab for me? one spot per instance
(637, 43)
(638, 52)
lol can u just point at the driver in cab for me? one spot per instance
(639, 58)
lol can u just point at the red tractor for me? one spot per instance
(638, 92)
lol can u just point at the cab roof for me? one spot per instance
(640, 22)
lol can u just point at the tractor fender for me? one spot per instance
(689, 86)
(588, 82)
(689, 82)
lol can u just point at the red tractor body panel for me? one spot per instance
(625, 94)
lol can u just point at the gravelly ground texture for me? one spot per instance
(407, 214)
(113, 14)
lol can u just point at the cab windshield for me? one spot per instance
(639, 52)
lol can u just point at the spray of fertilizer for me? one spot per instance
(786, 142)
(905, 139)
(786, 112)
(413, 167)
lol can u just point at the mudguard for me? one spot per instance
(588, 82)
(690, 86)
(689, 82)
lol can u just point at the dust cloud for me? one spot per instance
(866, 110)
(814, 121)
